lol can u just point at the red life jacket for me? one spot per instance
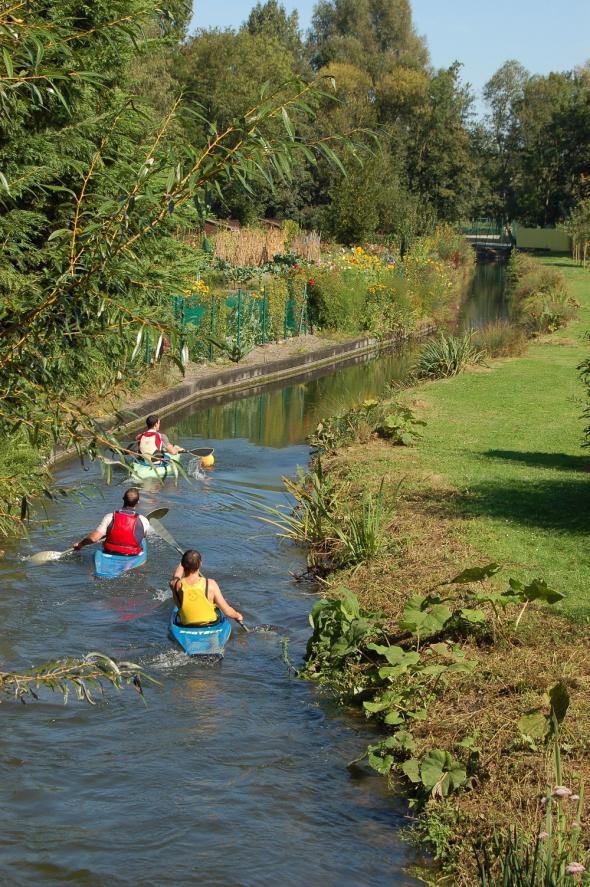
(124, 534)
(149, 442)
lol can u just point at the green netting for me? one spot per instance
(238, 319)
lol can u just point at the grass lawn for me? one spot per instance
(508, 442)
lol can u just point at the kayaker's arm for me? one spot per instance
(219, 601)
(90, 539)
(170, 448)
(96, 535)
(175, 585)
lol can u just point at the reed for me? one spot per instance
(249, 247)
(308, 245)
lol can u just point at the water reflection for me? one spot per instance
(485, 301)
(283, 416)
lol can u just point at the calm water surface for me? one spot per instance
(232, 774)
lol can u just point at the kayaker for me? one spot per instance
(123, 530)
(195, 596)
(153, 442)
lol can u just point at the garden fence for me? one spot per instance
(237, 321)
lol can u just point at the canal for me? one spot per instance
(233, 774)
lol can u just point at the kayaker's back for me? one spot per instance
(196, 607)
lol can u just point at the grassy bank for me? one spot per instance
(502, 452)
(452, 671)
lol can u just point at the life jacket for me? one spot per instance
(149, 442)
(124, 534)
(196, 608)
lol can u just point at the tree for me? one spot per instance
(440, 164)
(270, 19)
(375, 34)
(94, 194)
(504, 93)
(534, 153)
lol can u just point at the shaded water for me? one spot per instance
(233, 774)
(485, 301)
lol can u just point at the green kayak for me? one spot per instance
(143, 469)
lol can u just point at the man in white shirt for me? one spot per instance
(123, 530)
(153, 443)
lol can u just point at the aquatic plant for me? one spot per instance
(337, 533)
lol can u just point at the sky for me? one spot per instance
(544, 35)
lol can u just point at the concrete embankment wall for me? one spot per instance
(244, 378)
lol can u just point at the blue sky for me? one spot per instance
(543, 35)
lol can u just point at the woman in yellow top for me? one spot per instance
(195, 596)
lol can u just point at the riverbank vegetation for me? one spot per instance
(466, 667)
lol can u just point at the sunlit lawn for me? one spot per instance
(509, 439)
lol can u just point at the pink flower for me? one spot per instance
(562, 792)
(575, 798)
(543, 835)
(575, 868)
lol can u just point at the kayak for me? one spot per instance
(201, 640)
(142, 469)
(109, 566)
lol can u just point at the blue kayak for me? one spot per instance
(110, 566)
(201, 640)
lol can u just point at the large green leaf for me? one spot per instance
(538, 590)
(412, 770)
(425, 621)
(534, 724)
(440, 773)
(559, 700)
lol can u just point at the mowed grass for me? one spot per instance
(507, 441)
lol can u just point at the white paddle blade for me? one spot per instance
(44, 557)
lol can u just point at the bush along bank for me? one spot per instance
(465, 678)
(538, 296)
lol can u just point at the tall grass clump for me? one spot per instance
(500, 339)
(337, 531)
(362, 535)
(447, 356)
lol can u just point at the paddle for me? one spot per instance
(200, 451)
(164, 534)
(43, 557)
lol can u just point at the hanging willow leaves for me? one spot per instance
(86, 678)
(96, 193)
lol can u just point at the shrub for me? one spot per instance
(337, 300)
(538, 296)
(500, 339)
(389, 307)
(446, 356)
(448, 244)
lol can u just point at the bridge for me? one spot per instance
(491, 240)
